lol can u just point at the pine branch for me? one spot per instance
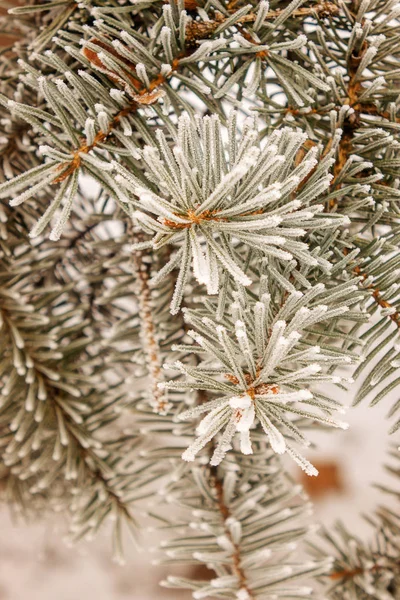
(255, 378)
(246, 539)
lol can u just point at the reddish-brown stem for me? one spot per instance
(350, 573)
(237, 568)
(145, 96)
(377, 296)
(201, 29)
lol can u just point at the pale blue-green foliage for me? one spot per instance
(289, 222)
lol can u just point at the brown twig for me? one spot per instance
(202, 29)
(194, 219)
(346, 574)
(345, 145)
(145, 96)
(237, 567)
(377, 295)
(252, 390)
(350, 573)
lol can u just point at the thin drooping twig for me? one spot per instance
(148, 330)
(216, 483)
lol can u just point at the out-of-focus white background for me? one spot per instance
(35, 563)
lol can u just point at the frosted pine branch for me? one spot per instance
(211, 200)
(262, 373)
